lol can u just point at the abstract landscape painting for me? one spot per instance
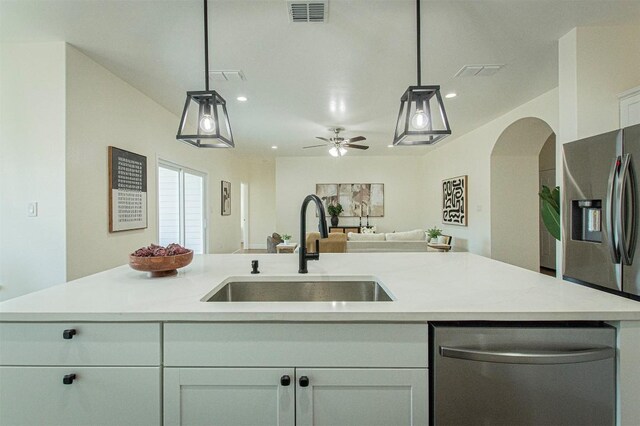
(357, 199)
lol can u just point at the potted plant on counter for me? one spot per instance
(334, 210)
(433, 234)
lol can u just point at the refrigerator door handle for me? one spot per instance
(611, 229)
(627, 242)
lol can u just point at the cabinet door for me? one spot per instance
(366, 397)
(97, 396)
(229, 396)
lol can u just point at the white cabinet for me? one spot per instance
(630, 107)
(340, 374)
(96, 396)
(306, 396)
(80, 374)
(229, 396)
(361, 397)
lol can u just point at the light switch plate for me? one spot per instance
(32, 209)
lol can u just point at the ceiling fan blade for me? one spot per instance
(322, 139)
(349, 145)
(356, 139)
(313, 146)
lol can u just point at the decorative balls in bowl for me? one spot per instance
(160, 261)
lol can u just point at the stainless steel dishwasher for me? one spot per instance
(522, 374)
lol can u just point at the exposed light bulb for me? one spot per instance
(420, 120)
(207, 124)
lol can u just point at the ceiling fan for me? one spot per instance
(338, 145)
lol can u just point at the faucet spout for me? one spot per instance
(303, 256)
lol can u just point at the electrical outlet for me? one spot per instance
(32, 209)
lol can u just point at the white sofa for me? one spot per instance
(409, 241)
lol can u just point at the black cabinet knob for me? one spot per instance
(304, 381)
(68, 334)
(68, 379)
(285, 380)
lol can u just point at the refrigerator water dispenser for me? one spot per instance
(586, 220)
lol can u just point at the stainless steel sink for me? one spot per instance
(308, 290)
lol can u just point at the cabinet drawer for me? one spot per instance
(298, 345)
(98, 396)
(92, 344)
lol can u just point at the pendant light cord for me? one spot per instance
(418, 39)
(206, 47)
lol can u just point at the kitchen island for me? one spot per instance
(135, 336)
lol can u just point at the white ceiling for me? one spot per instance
(303, 78)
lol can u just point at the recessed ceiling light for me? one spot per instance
(242, 98)
(274, 147)
(450, 95)
(389, 146)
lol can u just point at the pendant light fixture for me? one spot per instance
(422, 119)
(205, 122)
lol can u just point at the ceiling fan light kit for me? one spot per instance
(422, 119)
(205, 121)
(338, 146)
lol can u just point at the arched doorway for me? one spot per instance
(515, 182)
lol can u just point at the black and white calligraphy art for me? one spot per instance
(127, 190)
(454, 201)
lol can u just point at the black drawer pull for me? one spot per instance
(68, 334)
(304, 381)
(68, 379)
(285, 380)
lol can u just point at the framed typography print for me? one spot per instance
(225, 198)
(127, 190)
(454, 201)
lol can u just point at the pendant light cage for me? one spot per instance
(216, 131)
(205, 121)
(422, 119)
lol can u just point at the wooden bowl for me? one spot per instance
(160, 266)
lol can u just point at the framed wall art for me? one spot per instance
(357, 199)
(225, 198)
(127, 190)
(454, 201)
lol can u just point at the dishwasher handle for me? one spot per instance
(529, 357)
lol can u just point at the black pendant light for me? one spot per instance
(205, 122)
(422, 119)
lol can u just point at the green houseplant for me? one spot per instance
(434, 233)
(334, 210)
(550, 210)
(286, 238)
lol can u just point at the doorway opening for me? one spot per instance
(244, 216)
(516, 227)
(182, 201)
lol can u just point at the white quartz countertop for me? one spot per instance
(426, 287)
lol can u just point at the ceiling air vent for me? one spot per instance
(479, 70)
(307, 11)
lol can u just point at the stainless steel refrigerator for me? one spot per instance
(600, 211)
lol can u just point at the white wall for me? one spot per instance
(470, 154)
(296, 177)
(32, 161)
(103, 110)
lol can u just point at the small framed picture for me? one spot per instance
(225, 198)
